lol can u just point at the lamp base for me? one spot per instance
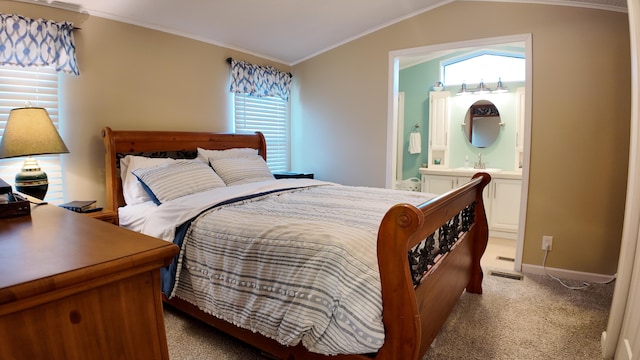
(31, 180)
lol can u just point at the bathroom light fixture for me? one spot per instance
(482, 88)
(463, 90)
(30, 131)
(500, 88)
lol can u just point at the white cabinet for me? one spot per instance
(439, 128)
(501, 199)
(440, 184)
(505, 205)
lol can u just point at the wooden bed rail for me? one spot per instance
(419, 313)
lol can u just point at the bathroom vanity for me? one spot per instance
(501, 196)
(480, 131)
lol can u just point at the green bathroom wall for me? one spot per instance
(416, 82)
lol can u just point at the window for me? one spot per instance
(269, 115)
(37, 86)
(487, 66)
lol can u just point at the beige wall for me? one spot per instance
(134, 78)
(580, 117)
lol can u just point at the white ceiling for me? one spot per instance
(287, 31)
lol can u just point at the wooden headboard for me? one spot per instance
(117, 144)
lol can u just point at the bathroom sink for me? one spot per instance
(472, 170)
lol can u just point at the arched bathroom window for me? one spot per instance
(485, 65)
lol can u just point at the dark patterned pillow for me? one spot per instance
(209, 156)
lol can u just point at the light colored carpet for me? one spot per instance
(190, 339)
(533, 318)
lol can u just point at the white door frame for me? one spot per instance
(392, 112)
(622, 337)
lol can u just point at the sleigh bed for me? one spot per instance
(427, 254)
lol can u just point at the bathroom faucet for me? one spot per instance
(479, 164)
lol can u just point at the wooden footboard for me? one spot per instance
(413, 315)
(417, 295)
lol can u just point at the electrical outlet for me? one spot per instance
(547, 242)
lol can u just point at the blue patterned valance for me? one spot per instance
(37, 42)
(250, 79)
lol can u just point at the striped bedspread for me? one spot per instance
(296, 266)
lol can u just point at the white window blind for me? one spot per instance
(269, 115)
(486, 67)
(38, 87)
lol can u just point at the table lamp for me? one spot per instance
(30, 131)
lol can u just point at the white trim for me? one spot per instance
(400, 142)
(503, 235)
(38, 86)
(392, 122)
(567, 274)
(526, 156)
(574, 3)
(629, 261)
(627, 352)
(270, 115)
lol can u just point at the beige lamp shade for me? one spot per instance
(30, 131)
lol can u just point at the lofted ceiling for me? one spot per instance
(287, 31)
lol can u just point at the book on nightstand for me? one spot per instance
(81, 206)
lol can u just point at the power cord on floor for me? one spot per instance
(584, 283)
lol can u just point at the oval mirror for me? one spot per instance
(482, 124)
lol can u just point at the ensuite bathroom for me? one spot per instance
(461, 112)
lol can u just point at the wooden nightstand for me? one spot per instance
(109, 216)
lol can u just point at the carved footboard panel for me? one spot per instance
(424, 256)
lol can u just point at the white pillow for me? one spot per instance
(179, 178)
(208, 156)
(242, 170)
(132, 189)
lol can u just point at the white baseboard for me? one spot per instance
(503, 234)
(567, 274)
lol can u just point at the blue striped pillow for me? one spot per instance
(242, 170)
(176, 179)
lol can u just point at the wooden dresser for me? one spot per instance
(74, 287)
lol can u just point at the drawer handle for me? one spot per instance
(75, 317)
